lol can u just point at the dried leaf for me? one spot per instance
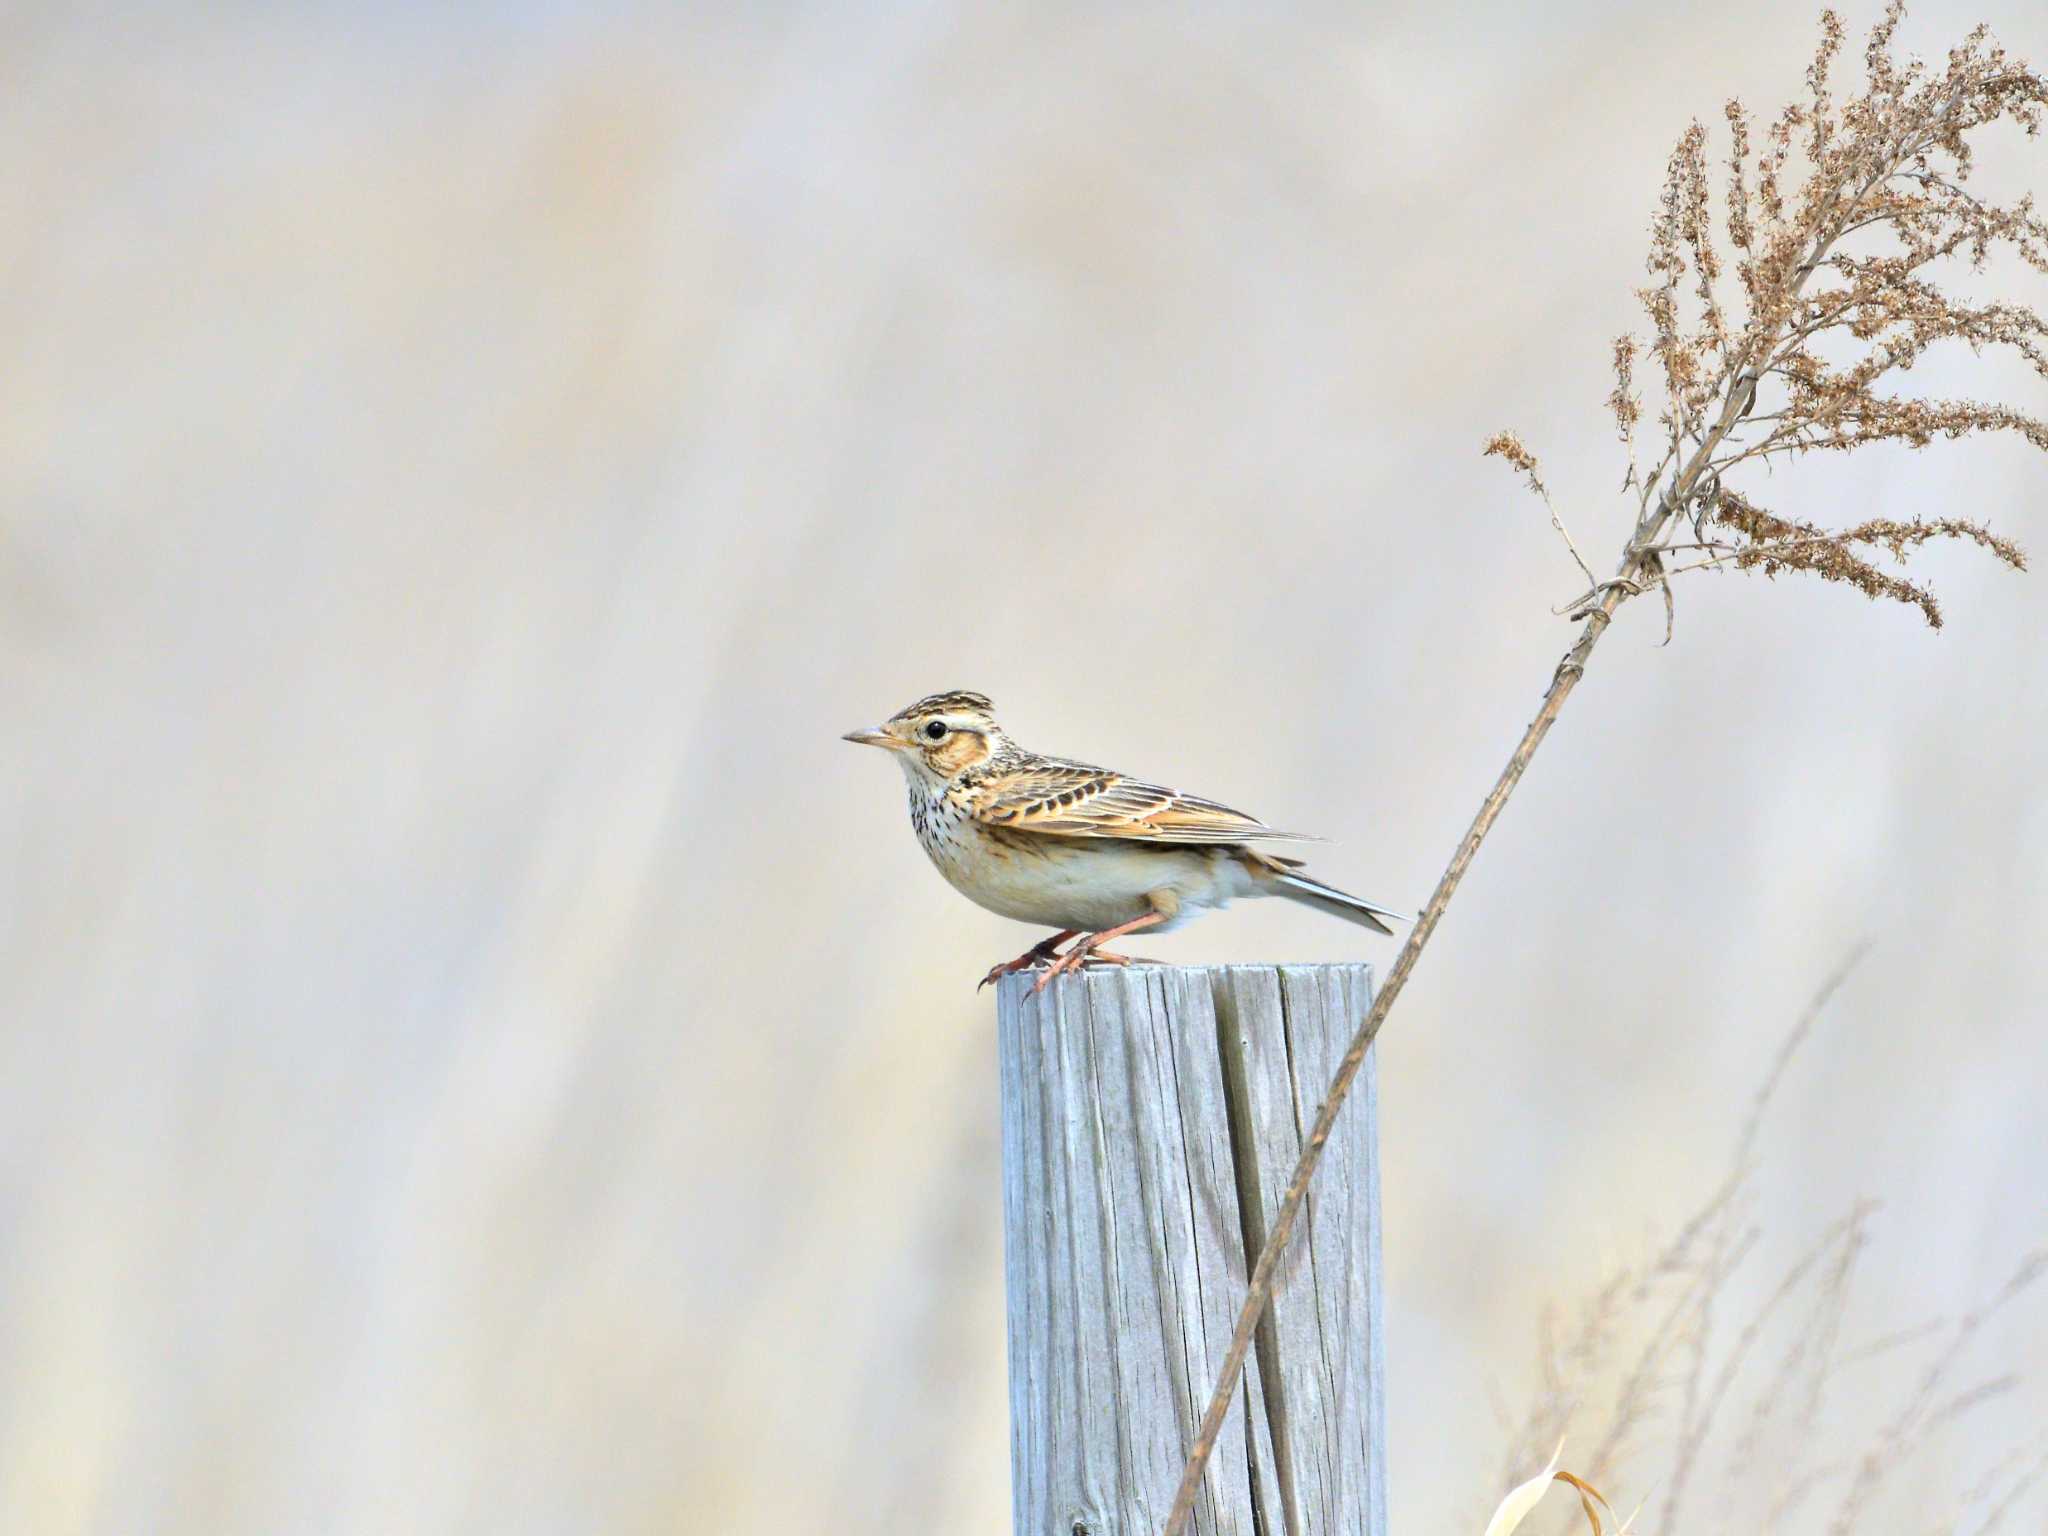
(1515, 1508)
(1522, 1498)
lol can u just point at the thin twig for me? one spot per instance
(1565, 534)
(1509, 447)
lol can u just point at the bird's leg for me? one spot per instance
(1038, 952)
(1087, 948)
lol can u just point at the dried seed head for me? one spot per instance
(1507, 446)
(1627, 411)
(1845, 218)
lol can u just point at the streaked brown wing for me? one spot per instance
(1062, 799)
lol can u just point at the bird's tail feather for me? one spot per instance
(1283, 877)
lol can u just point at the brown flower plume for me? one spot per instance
(1838, 217)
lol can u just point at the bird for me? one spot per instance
(1088, 851)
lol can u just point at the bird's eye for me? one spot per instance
(936, 731)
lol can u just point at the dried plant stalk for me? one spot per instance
(1838, 215)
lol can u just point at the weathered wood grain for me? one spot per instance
(1151, 1117)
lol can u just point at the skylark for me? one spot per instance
(1074, 847)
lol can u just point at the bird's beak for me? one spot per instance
(875, 739)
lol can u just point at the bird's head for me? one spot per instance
(938, 738)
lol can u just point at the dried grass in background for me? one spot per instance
(1723, 1417)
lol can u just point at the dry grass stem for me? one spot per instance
(1776, 331)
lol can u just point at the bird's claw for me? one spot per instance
(1008, 968)
(1084, 953)
(1066, 965)
(1041, 951)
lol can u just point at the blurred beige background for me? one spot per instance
(480, 1054)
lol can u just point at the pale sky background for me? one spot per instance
(480, 1054)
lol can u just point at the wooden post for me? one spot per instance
(1151, 1117)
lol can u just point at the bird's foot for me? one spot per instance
(1088, 948)
(1083, 953)
(1037, 954)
